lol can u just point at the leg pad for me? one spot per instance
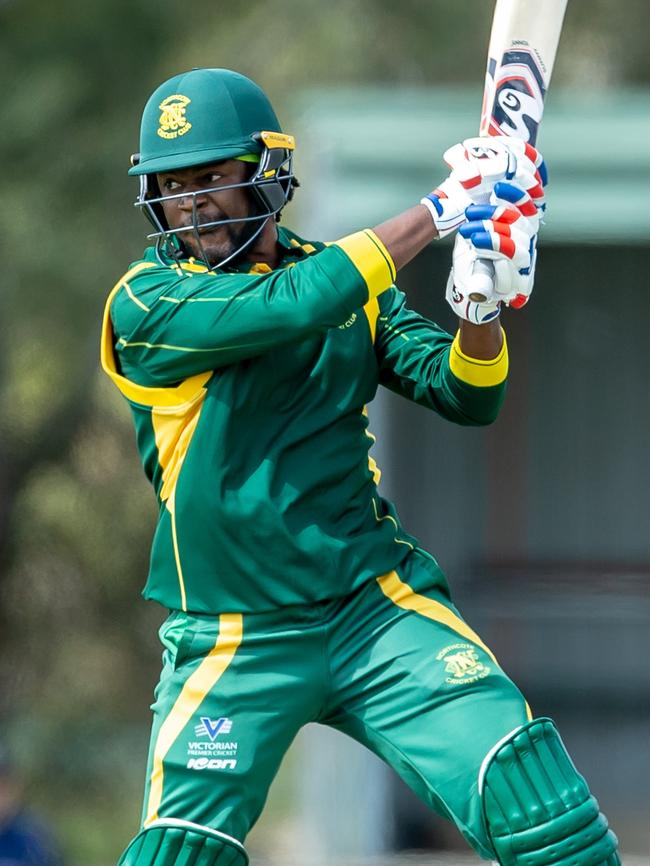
(537, 808)
(171, 842)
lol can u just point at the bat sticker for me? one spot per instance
(519, 93)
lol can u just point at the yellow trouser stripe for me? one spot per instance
(402, 595)
(190, 699)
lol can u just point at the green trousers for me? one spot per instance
(393, 665)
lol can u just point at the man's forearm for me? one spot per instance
(407, 234)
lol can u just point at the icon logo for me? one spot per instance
(462, 664)
(210, 728)
(211, 764)
(173, 121)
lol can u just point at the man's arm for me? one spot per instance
(420, 361)
(482, 342)
(170, 324)
(405, 236)
(170, 327)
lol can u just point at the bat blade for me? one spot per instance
(523, 44)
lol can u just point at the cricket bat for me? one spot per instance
(523, 44)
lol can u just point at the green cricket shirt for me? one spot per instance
(248, 390)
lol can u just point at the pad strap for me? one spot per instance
(538, 809)
(172, 842)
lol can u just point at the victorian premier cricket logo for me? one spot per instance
(211, 750)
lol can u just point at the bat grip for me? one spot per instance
(482, 281)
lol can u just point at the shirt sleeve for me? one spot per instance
(425, 364)
(169, 324)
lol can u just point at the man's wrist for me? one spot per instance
(480, 342)
(477, 361)
(429, 207)
(446, 205)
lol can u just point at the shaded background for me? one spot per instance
(555, 570)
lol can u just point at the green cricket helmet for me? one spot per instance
(205, 116)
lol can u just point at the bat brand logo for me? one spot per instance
(519, 96)
(462, 663)
(173, 121)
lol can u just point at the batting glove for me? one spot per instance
(494, 255)
(477, 164)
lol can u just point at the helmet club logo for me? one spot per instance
(173, 122)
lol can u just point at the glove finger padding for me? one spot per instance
(468, 276)
(482, 277)
(479, 167)
(499, 241)
(478, 163)
(530, 158)
(510, 195)
(486, 170)
(520, 196)
(521, 299)
(503, 232)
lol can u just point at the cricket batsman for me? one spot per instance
(248, 356)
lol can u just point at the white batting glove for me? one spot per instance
(494, 256)
(477, 164)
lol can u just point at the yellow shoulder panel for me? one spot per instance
(371, 259)
(145, 396)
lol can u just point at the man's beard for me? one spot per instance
(217, 245)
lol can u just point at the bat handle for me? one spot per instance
(482, 281)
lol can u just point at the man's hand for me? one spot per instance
(477, 164)
(494, 255)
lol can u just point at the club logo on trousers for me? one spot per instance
(462, 664)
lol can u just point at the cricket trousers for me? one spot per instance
(393, 665)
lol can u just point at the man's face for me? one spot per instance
(220, 242)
